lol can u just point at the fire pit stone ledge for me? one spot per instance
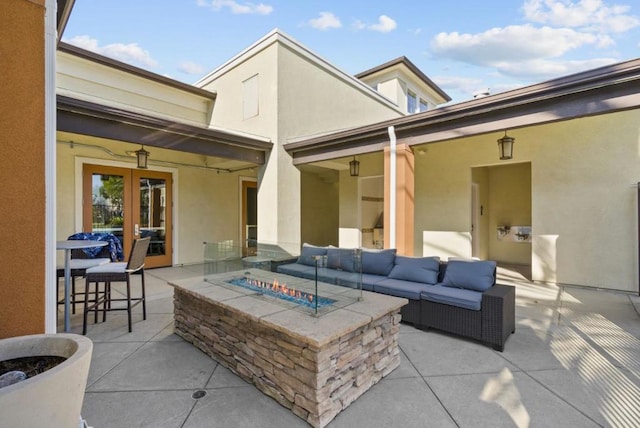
(315, 367)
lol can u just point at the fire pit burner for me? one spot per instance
(282, 291)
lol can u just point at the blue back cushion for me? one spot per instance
(416, 269)
(477, 275)
(340, 258)
(309, 252)
(378, 262)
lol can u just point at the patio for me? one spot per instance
(574, 361)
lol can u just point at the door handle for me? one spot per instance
(136, 229)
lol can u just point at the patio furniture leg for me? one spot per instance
(144, 298)
(95, 304)
(129, 302)
(73, 294)
(107, 300)
(85, 309)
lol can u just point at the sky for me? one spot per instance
(464, 46)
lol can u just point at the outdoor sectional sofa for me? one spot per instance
(459, 296)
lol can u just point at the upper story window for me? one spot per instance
(424, 106)
(412, 102)
(250, 97)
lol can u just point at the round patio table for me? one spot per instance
(67, 246)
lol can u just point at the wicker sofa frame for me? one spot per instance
(491, 325)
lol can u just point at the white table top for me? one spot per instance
(75, 244)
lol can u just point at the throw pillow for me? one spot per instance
(477, 275)
(378, 262)
(309, 252)
(416, 269)
(341, 259)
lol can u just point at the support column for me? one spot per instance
(404, 199)
(279, 206)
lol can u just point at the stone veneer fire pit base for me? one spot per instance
(313, 366)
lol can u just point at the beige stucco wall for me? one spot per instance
(480, 176)
(206, 204)
(583, 195)
(509, 205)
(320, 208)
(299, 95)
(86, 80)
(371, 165)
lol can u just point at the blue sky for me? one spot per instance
(463, 46)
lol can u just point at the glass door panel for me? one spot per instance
(152, 190)
(130, 204)
(106, 192)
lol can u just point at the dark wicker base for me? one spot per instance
(491, 325)
(411, 313)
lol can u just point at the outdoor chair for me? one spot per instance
(116, 272)
(83, 259)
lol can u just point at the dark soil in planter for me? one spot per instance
(31, 366)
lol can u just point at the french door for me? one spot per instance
(249, 218)
(131, 204)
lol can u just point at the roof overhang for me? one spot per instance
(87, 118)
(63, 12)
(404, 63)
(599, 91)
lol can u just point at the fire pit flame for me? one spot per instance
(282, 291)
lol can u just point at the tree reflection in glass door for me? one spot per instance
(107, 199)
(153, 214)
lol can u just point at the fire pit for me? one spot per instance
(313, 364)
(282, 291)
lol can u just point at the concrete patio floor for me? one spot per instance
(573, 361)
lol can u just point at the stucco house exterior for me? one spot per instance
(242, 148)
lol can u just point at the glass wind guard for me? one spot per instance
(314, 292)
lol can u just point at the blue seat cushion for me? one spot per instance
(352, 279)
(378, 262)
(416, 269)
(399, 288)
(341, 258)
(459, 297)
(296, 269)
(477, 275)
(327, 275)
(309, 253)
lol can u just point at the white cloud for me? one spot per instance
(541, 69)
(513, 43)
(358, 25)
(325, 21)
(190, 67)
(130, 53)
(384, 25)
(236, 7)
(466, 85)
(585, 14)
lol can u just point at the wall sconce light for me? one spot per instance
(142, 155)
(505, 146)
(354, 167)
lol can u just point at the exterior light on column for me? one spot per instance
(354, 167)
(142, 155)
(505, 146)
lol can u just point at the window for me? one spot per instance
(250, 97)
(412, 102)
(424, 106)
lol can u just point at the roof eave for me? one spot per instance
(86, 118)
(128, 68)
(598, 91)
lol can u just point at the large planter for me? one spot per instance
(52, 398)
